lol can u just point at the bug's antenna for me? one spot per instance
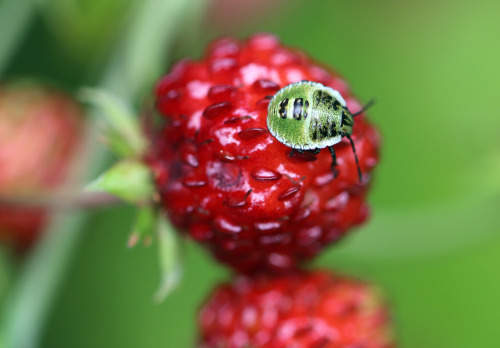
(366, 107)
(355, 156)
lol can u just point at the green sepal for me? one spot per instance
(116, 143)
(169, 257)
(123, 132)
(144, 226)
(130, 180)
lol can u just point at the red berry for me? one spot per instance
(215, 159)
(40, 130)
(306, 310)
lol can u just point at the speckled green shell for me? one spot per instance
(307, 115)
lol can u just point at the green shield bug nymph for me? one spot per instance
(308, 116)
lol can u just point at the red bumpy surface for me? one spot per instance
(40, 130)
(302, 310)
(229, 183)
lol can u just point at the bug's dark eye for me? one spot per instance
(297, 108)
(282, 108)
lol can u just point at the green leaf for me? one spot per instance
(144, 226)
(124, 133)
(170, 265)
(130, 180)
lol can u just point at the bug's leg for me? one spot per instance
(355, 156)
(334, 161)
(293, 151)
(315, 151)
(366, 107)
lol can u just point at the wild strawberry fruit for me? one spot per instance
(306, 310)
(40, 130)
(229, 183)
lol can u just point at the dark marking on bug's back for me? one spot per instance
(336, 104)
(322, 97)
(305, 109)
(333, 129)
(323, 130)
(319, 131)
(314, 127)
(297, 108)
(345, 119)
(282, 110)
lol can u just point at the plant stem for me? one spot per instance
(136, 63)
(62, 201)
(15, 18)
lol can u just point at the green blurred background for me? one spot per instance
(433, 243)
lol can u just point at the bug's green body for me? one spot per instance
(307, 115)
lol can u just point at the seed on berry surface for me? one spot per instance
(251, 133)
(220, 93)
(218, 109)
(265, 174)
(289, 193)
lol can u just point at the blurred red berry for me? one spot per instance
(306, 310)
(40, 130)
(229, 183)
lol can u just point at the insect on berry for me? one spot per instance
(308, 116)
